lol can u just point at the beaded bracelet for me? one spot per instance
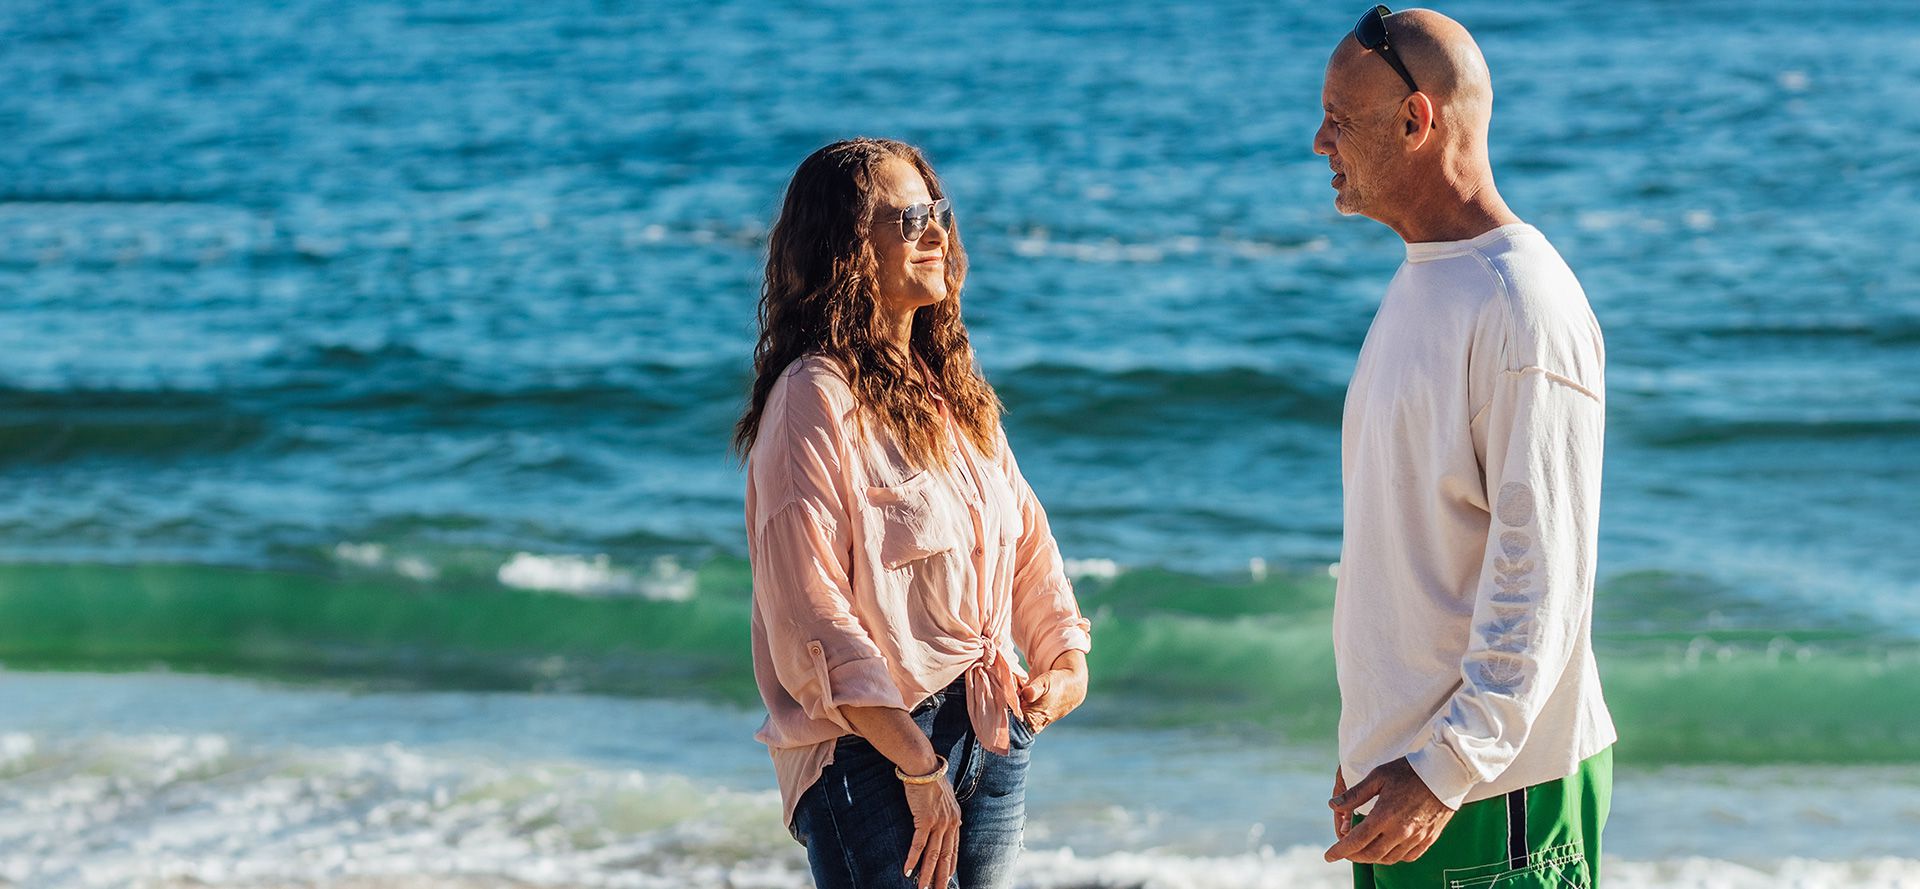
(939, 771)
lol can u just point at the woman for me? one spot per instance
(899, 558)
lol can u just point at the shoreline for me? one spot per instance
(1297, 869)
(238, 783)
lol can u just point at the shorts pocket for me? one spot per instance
(1560, 867)
(912, 525)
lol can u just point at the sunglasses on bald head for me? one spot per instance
(915, 219)
(1371, 32)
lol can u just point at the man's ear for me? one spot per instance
(1418, 120)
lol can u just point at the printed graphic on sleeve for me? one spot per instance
(1515, 506)
(1510, 631)
(1501, 674)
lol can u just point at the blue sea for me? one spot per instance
(367, 371)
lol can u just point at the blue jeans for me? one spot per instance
(857, 826)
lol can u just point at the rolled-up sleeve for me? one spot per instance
(814, 645)
(1046, 616)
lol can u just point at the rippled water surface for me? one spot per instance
(476, 275)
(396, 345)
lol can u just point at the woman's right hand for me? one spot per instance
(936, 832)
(936, 813)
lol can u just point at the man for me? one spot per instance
(1474, 744)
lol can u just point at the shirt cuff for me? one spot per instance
(1443, 773)
(861, 682)
(1074, 636)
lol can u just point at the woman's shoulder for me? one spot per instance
(817, 368)
(817, 373)
(811, 388)
(803, 436)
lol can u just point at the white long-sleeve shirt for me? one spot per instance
(1470, 453)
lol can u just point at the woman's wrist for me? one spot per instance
(923, 762)
(938, 771)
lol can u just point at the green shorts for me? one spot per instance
(1547, 835)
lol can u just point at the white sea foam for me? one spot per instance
(1093, 569)
(198, 809)
(366, 555)
(376, 557)
(139, 810)
(665, 579)
(207, 810)
(131, 781)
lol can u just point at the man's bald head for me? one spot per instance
(1388, 145)
(1442, 57)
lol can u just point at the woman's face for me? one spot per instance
(912, 273)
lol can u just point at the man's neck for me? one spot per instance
(1460, 211)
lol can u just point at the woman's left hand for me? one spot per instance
(1055, 693)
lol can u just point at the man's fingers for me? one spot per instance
(1397, 848)
(1034, 690)
(1342, 819)
(1367, 789)
(1379, 851)
(1419, 846)
(1358, 838)
(1376, 836)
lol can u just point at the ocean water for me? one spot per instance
(185, 781)
(388, 352)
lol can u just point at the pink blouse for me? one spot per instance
(877, 583)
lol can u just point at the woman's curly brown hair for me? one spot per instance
(821, 295)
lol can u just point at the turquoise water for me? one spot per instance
(395, 347)
(281, 278)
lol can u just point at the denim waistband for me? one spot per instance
(956, 688)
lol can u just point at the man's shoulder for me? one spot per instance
(1451, 292)
(1542, 312)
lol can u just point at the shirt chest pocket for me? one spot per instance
(915, 520)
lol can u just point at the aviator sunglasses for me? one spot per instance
(1371, 32)
(914, 219)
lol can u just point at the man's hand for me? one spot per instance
(1053, 694)
(1342, 821)
(1403, 824)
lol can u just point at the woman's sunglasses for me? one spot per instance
(1371, 31)
(914, 219)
